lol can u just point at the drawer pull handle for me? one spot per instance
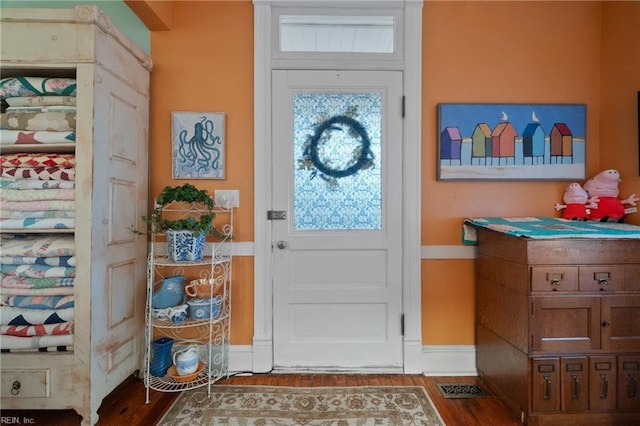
(603, 283)
(576, 387)
(605, 387)
(15, 388)
(547, 388)
(633, 385)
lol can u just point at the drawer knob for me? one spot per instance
(15, 388)
(606, 323)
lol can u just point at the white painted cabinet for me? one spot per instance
(111, 154)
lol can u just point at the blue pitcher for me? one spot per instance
(168, 292)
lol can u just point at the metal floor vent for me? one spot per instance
(461, 390)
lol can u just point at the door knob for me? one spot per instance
(282, 244)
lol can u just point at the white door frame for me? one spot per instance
(410, 64)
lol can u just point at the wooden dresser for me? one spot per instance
(558, 327)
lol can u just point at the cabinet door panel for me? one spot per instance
(602, 383)
(621, 323)
(628, 386)
(545, 385)
(565, 323)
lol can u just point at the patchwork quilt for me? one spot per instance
(39, 121)
(36, 86)
(50, 100)
(23, 137)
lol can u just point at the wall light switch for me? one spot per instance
(227, 198)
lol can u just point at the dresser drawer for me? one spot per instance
(602, 278)
(554, 278)
(26, 383)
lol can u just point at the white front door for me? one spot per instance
(337, 253)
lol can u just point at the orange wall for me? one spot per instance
(205, 63)
(527, 52)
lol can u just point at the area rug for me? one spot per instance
(317, 406)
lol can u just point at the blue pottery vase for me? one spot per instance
(161, 358)
(184, 246)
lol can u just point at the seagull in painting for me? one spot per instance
(534, 117)
(504, 116)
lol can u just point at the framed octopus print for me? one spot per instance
(198, 145)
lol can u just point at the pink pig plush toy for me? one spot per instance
(578, 204)
(604, 185)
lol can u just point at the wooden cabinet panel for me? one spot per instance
(602, 383)
(620, 322)
(628, 386)
(575, 383)
(111, 187)
(565, 323)
(546, 385)
(582, 350)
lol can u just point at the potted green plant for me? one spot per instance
(185, 214)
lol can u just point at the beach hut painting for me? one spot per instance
(511, 141)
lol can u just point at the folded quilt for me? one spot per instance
(42, 108)
(68, 348)
(28, 282)
(38, 223)
(60, 329)
(54, 214)
(10, 315)
(42, 173)
(38, 271)
(33, 260)
(7, 183)
(36, 159)
(51, 291)
(37, 194)
(37, 86)
(39, 121)
(37, 245)
(28, 206)
(23, 101)
(13, 343)
(21, 137)
(38, 302)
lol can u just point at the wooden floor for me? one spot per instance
(126, 407)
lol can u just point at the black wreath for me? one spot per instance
(364, 159)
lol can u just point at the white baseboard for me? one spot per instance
(437, 360)
(240, 359)
(449, 360)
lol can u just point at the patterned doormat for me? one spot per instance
(461, 390)
(279, 405)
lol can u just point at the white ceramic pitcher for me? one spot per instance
(186, 360)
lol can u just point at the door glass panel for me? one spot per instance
(337, 161)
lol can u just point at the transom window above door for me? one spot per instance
(348, 37)
(318, 33)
